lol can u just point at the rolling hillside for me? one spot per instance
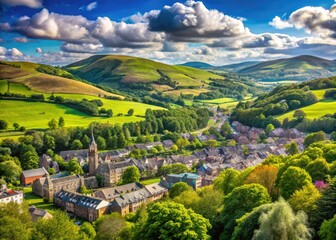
(122, 71)
(301, 68)
(27, 73)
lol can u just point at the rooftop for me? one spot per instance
(35, 172)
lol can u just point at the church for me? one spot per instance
(106, 169)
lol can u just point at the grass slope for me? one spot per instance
(301, 68)
(36, 115)
(323, 107)
(45, 83)
(114, 68)
(315, 110)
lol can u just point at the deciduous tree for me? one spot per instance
(282, 223)
(131, 175)
(179, 188)
(169, 220)
(294, 178)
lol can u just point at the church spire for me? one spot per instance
(92, 142)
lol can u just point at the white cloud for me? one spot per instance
(91, 6)
(27, 3)
(12, 54)
(314, 20)
(81, 48)
(21, 39)
(193, 22)
(278, 23)
(78, 29)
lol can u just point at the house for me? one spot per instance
(192, 179)
(80, 155)
(167, 144)
(47, 163)
(38, 213)
(29, 176)
(111, 172)
(140, 146)
(201, 155)
(109, 194)
(149, 146)
(8, 195)
(88, 208)
(131, 201)
(207, 180)
(277, 133)
(47, 187)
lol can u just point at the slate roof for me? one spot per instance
(156, 188)
(67, 155)
(132, 197)
(167, 143)
(111, 193)
(35, 172)
(82, 200)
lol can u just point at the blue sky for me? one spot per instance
(213, 31)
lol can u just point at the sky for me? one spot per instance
(217, 32)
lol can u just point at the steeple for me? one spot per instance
(92, 141)
(93, 155)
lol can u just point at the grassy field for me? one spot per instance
(150, 181)
(220, 100)
(315, 110)
(320, 93)
(36, 115)
(37, 201)
(194, 92)
(13, 135)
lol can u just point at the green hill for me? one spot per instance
(47, 79)
(122, 71)
(283, 101)
(301, 68)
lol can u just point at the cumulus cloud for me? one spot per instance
(21, 39)
(173, 47)
(39, 50)
(314, 20)
(278, 23)
(81, 48)
(12, 54)
(192, 22)
(203, 51)
(263, 40)
(26, 3)
(78, 29)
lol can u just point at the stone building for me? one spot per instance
(88, 208)
(109, 194)
(47, 187)
(130, 202)
(47, 163)
(29, 176)
(111, 172)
